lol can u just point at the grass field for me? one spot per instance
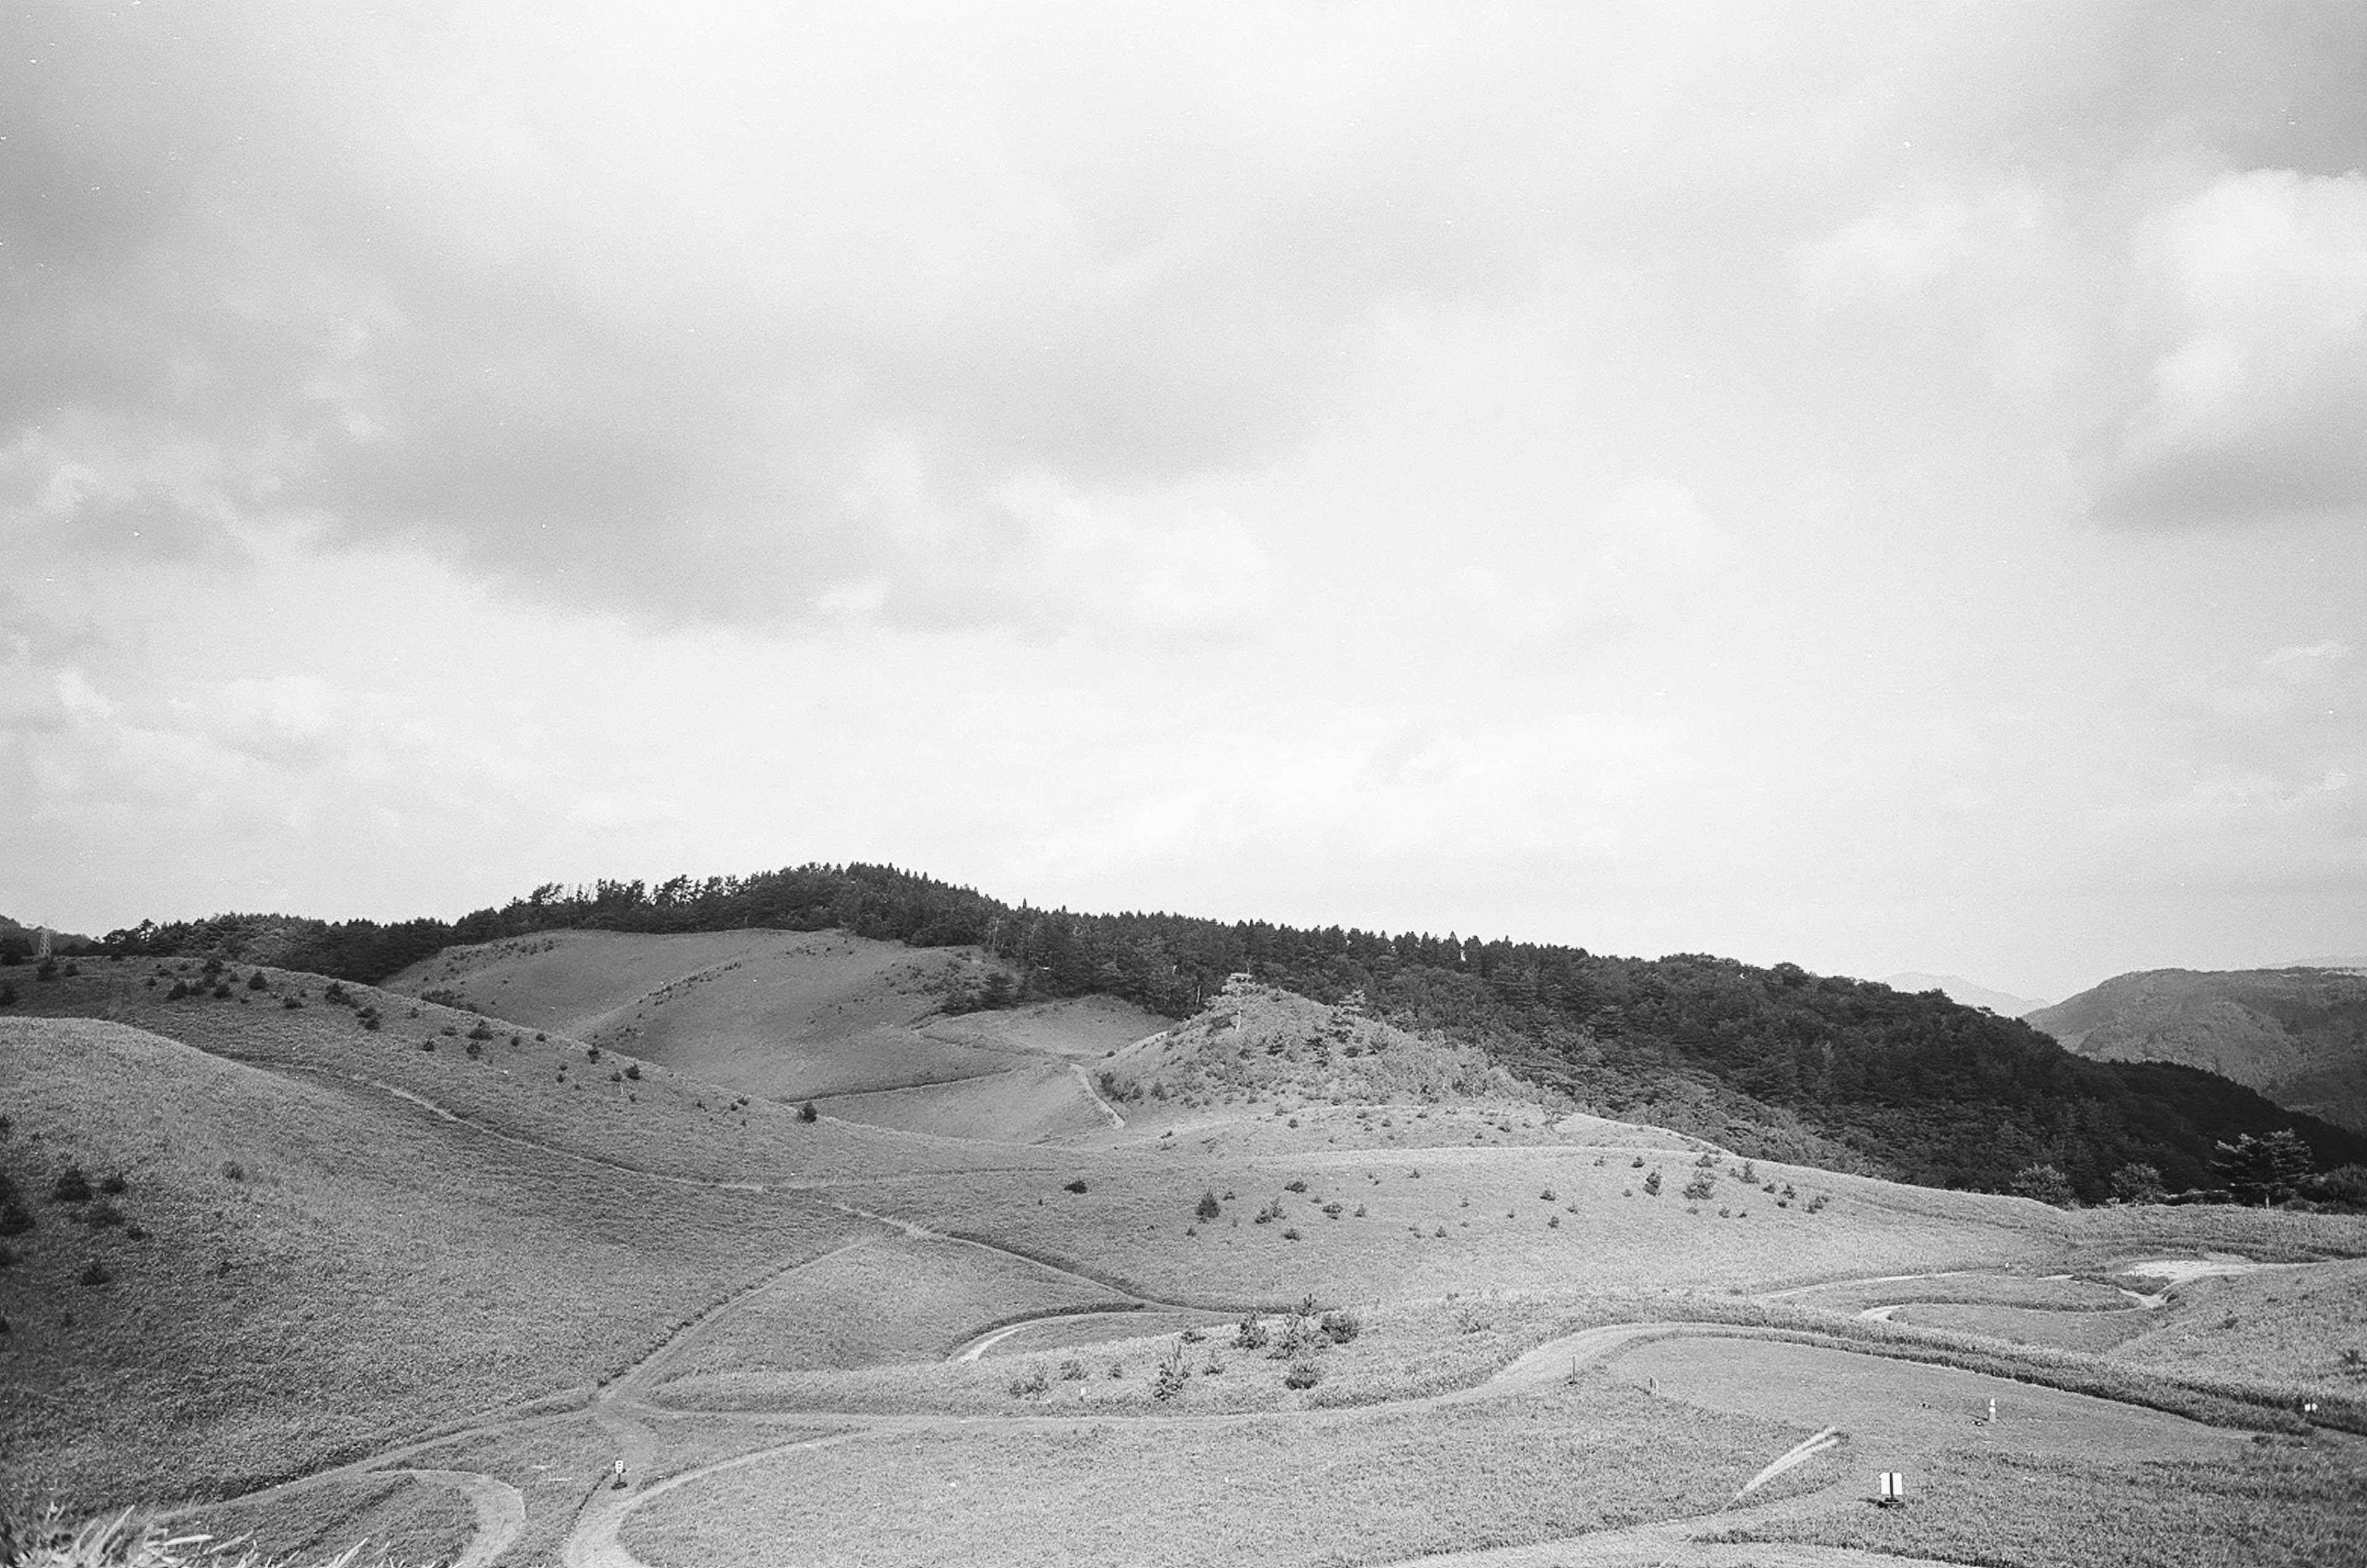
(319, 1266)
(893, 1299)
(1356, 1488)
(777, 1014)
(406, 1519)
(2273, 1506)
(333, 1240)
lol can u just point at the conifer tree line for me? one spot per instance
(1774, 1062)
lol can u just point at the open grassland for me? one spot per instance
(1432, 1222)
(2285, 1505)
(300, 1269)
(1361, 1488)
(1898, 1410)
(2095, 1331)
(892, 1299)
(2037, 1291)
(1080, 1029)
(1037, 1101)
(399, 1517)
(548, 1089)
(2304, 1327)
(780, 1015)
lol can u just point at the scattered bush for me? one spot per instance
(1076, 1186)
(1032, 1381)
(232, 1172)
(48, 971)
(1705, 1160)
(71, 1186)
(180, 988)
(8, 1259)
(1295, 1186)
(14, 1218)
(1548, 1194)
(1167, 1380)
(481, 1030)
(1302, 1375)
(1208, 1208)
(1819, 1202)
(102, 1214)
(221, 990)
(1252, 1334)
(1701, 1186)
(1290, 1233)
(475, 1050)
(1341, 1324)
(8, 993)
(1072, 1371)
(291, 1002)
(806, 1113)
(1652, 1183)
(1748, 1173)
(591, 1052)
(114, 1186)
(258, 981)
(633, 1071)
(95, 1273)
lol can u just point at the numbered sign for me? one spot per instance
(1892, 1486)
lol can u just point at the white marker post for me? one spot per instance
(1893, 1488)
(1992, 1412)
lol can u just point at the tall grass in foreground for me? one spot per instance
(124, 1540)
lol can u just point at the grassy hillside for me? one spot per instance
(296, 1269)
(782, 1015)
(2298, 1036)
(1778, 1062)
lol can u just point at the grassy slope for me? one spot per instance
(550, 1089)
(780, 1015)
(1377, 1488)
(374, 1269)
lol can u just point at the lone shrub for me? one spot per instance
(1302, 1375)
(72, 1185)
(1652, 1183)
(15, 1219)
(807, 1112)
(1076, 1186)
(180, 988)
(1297, 1185)
(1341, 1324)
(232, 1172)
(1701, 1186)
(258, 981)
(96, 1273)
(1252, 1334)
(1167, 1381)
(1208, 1208)
(633, 1071)
(1072, 1371)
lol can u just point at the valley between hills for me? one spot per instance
(625, 1249)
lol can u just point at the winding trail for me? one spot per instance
(620, 1408)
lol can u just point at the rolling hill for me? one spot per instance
(2297, 1037)
(456, 1265)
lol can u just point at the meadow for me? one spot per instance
(396, 1269)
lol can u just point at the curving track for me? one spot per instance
(621, 1411)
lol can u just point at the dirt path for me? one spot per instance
(618, 1408)
(1095, 1094)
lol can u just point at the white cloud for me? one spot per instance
(2253, 401)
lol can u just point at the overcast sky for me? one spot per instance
(1881, 487)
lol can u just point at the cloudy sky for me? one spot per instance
(1881, 487)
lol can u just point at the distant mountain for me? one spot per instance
(1957, 988)
(2297, 1036)
(2329, 961)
